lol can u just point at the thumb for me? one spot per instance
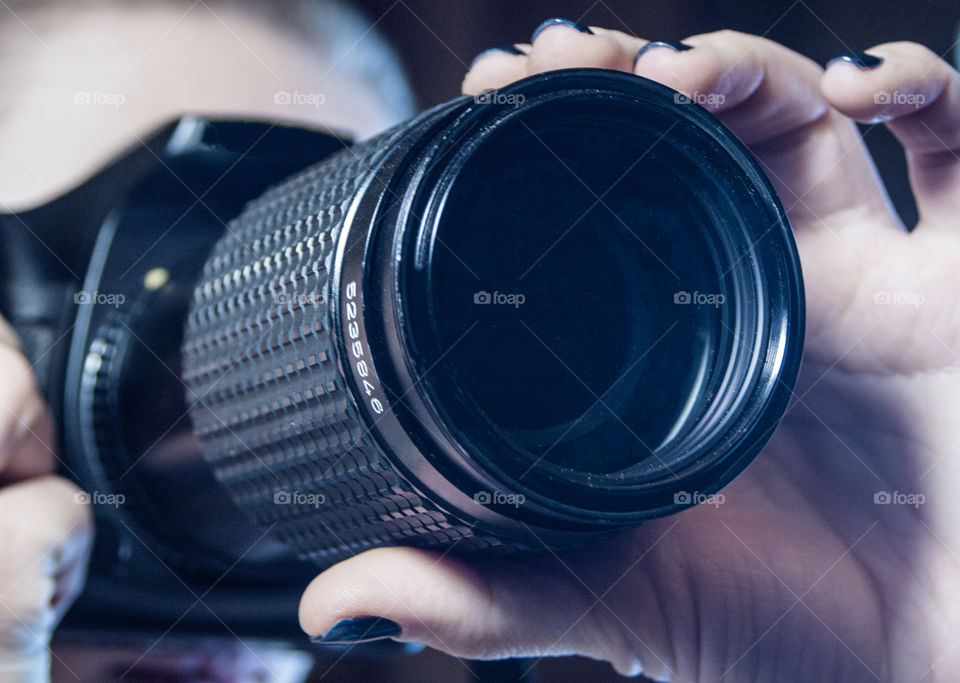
(26, 432)
(46, 538)
(481, 608)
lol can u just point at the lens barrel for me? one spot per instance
(521, 318)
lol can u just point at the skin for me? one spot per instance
(157, 63)
(799, 574)
(164, 62)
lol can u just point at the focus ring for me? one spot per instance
(266, 394)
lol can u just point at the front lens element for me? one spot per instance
(599, 293)
(563, 288)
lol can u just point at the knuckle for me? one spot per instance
(18, 389)
(576, 50)
(908, 49)
(15, 370)
(728, 35)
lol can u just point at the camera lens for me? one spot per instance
(558, 309)
(582, 354)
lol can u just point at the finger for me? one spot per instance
(917, 94)
(564, 44)
(26, 432)
(484, 609)
(8, 336)
(496, 67)
(46, 539)
(769, 96)
(555, 44)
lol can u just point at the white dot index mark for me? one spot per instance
(156, 278)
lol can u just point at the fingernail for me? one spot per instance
(562, 22)
(508, 49)
(358, 630)
(861, 60)
(674, 45)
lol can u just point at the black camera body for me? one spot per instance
(517, 321)
(159, 209)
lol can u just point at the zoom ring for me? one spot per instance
(268, 400)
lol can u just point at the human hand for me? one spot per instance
(45, 535)
(802, 573)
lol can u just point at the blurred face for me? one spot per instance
(79, 85)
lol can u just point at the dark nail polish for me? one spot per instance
(861, 60)
(358, 630)
(562, 22)
(674, 45)
(508, 49)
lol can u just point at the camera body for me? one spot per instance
(79, 276)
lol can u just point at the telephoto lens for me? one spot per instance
(521, 319)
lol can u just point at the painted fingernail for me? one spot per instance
(674, 45)
(561, 22)
(508, 49)
(861, 60)
(358, 630)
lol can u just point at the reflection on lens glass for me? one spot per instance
(578, 294)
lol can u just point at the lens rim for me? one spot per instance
(775, 353)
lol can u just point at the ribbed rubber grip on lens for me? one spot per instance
(268, 400)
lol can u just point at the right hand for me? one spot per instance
(800, 574)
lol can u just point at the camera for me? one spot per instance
(268, 349)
